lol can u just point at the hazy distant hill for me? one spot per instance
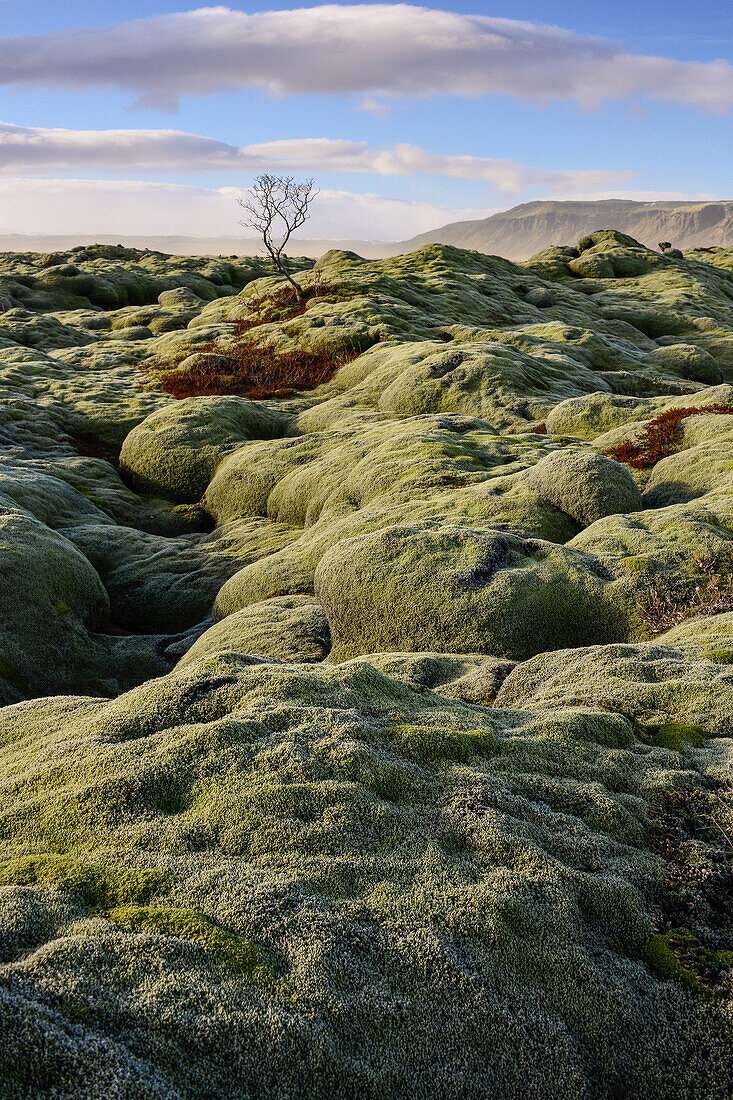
(516, 234)
(186, 246)
(520, 232)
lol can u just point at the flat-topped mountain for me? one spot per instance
(524, 230)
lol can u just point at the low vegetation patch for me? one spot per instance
(675, 735)
(97, 886)
(432, 745)
(236, 953)
(283, 305)
(253, 372)
(257, 372)
(659, 437)
(711, 596)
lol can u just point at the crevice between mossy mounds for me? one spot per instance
(693, 921)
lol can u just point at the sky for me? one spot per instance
(152, 117)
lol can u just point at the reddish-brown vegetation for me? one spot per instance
(249, 371)
(659, 437)
(256, 372)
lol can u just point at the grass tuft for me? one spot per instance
(713, 595)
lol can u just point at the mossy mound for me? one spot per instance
(321, 834)
(53, 603)
(708, 632)
(174, 452)
(460, 590)
(688, 361)
(651, 684)
(286, 628)
(471, 677)
(584, 485)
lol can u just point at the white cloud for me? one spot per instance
(365, 49)
(132, 207)
(30, 149)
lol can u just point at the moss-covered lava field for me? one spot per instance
(366, 676)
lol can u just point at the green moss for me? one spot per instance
(676, 735)
(100, 887)
(678, 955)
(236, 953)
(431, 744)
(721, 656)
(634, 564)
(76, 1012)
(62, 608)
(662, 954)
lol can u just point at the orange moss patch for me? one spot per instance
(659, 437)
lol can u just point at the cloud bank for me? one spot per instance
(32, 149)
(134, 207)
(367, 49)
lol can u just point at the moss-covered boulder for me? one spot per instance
(654, 684)
(471, 677)
(689, 361)
(711, 634)
(286, 628)
(53, 605)
(460, 590)
(174, 452)
(584, 484)
(592, 415)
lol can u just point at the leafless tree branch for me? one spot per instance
(275, 207)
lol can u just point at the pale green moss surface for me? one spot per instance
(351, 741)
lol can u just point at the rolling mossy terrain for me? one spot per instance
(369, 735)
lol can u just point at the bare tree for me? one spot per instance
(275, 207)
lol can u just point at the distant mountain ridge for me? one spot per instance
(524, 230)
(515, 234)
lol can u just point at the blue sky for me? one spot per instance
(408, 116)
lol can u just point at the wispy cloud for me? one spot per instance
(123, 207)
(365, 49)
(33, 149)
